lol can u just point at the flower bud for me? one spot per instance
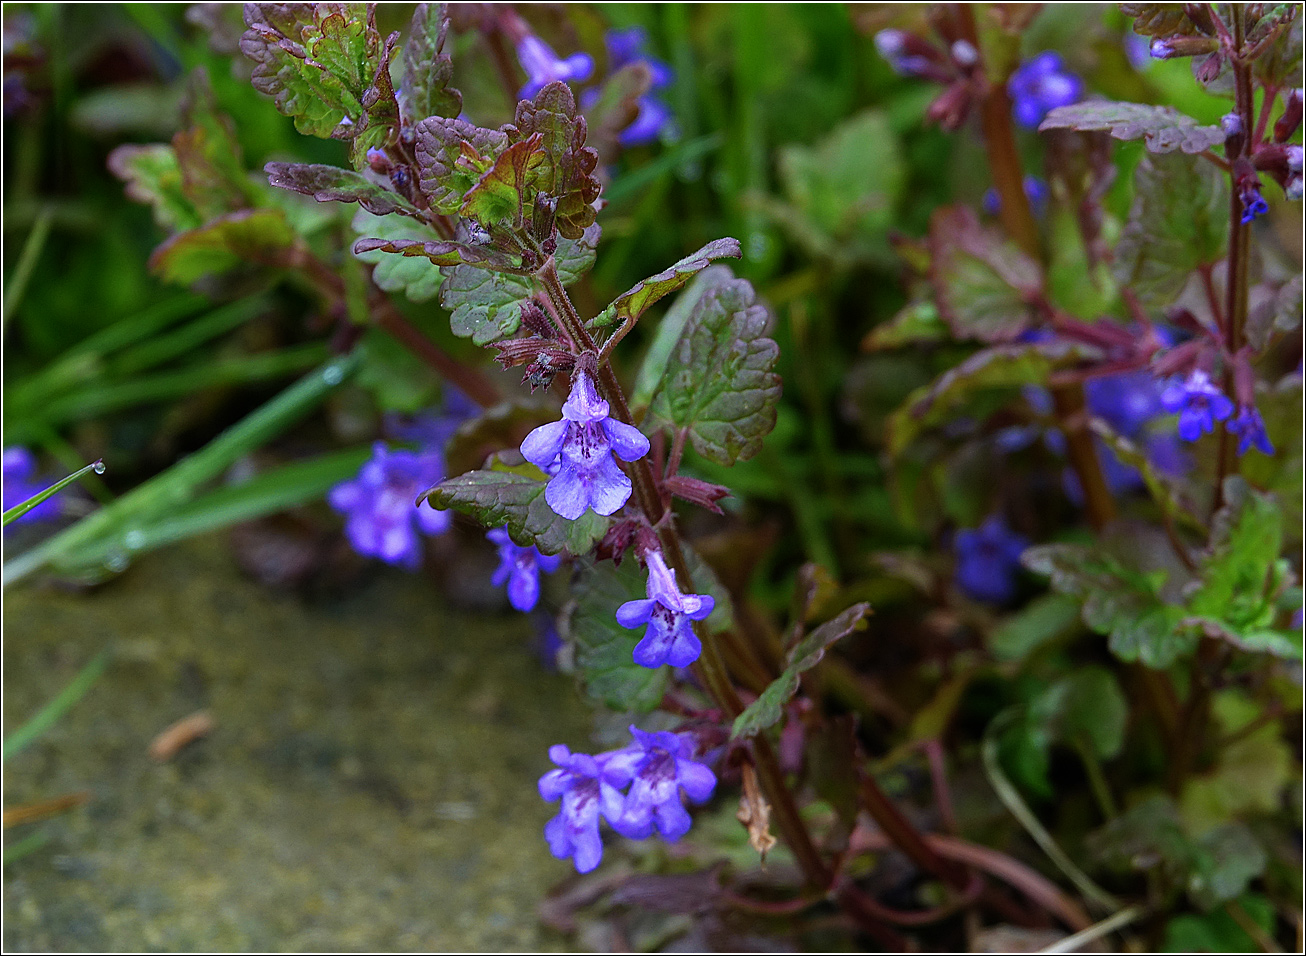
(1290, 121)
(1234, 134)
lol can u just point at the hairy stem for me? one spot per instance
(710, 668)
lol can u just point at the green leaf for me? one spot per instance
(1227, 859)
(720, 383)
(1147, 836)
(20, 509)
(999, 369)
(564, 174)
(983, 284)
(496, 199)
(427, 69)
(915, 323)
(768, 709)
(654, 367)
(486, 306)
(415, 276)
(325, 65)
(844, 188)
(1163, 129)
(258, 236)
(441, 253)
(1088, 707)
(632, 303)
(1179, 221)
(153, 177)
(1041, 620)
(515, 499)
(1242, 574)
(1118, 601)
(605, 649)
(208, 153)
(333, 184)
(1218, 932)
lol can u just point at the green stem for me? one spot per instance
(26, 263)
(48, 715)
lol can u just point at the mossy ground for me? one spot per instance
(370, 784)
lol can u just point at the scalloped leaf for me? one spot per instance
(720, 382)
(258, 236)
(325, 65)
(153, 177)
(768, 709)
(605, 649)
(428, 70)
(452, 155)
(1118, 601)
(1179, 221)
(1163, 129)
(496, 199)
(414, 276)
(633, 303)
(514, 498)
(983, 284)
(486, 306)
(333, 184)
(1159, 19)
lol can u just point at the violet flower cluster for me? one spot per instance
(1039, 86)
(658, 768)
(582, 445)
(669, 615)
(1199, 404)
(519, 568)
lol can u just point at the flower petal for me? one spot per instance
(544, 444)
(634, 613)
(628, 442)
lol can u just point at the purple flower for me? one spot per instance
(1250, 429)
(520, 569)
(1036, 191)
(381, 504)
(585, 439)
(1126, 401)
(580, 783)
(669, 638)
(658, 767)
(1254, 203)
(988, 558)
(21, 483)
(543, 67)
(1200, 404)
(1041, 85)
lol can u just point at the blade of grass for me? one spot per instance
(27, 845)
(20, 509)
(177, 486)
(162, 348)
(32, 248)
(1011, 797)
(46, 717)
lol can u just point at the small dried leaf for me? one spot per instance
(755, 814)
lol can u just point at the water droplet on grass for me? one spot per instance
(98, 467)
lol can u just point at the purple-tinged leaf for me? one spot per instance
(514, 497)
(486, 306)
(1179, 221)
(636, 300)
(258, 236)
(720, 382)
(768, 709)
(984, 285)
(1159, 19)
(496, 199)
(1163, 129)
(452, 155)
(333, 184)
(427, 69)
(1001, 367)
(416, 277)
(153, 177)
(564, 176)
(442, 253)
